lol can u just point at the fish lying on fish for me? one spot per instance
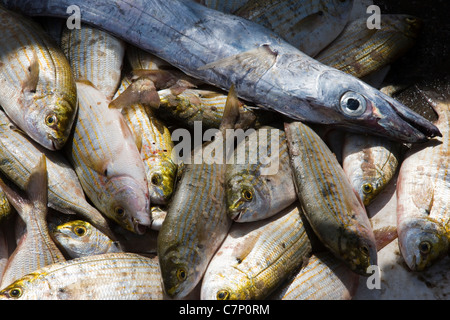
(38, 89)
(253, 58)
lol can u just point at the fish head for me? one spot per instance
(247, 197)
(128, 203)
(72, 235)
(179, 275)
(52, 127)
(227, 285)
(422, 242)
(356, 106)
(161, 181)
(19, 289)
(409, 25)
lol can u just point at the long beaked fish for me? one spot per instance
(334, 211)
(423, 194)
(36, 248)
(107, 161)
(38, 90)
(265, 69)
(109, 276)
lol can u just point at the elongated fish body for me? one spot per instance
(259, 183)
(323, 278)
(335, 212)
(370, 163)
(155, 144)
(36, 248)
(107, 161)
(309, 25)
(254, 59)
(229, 6)
(360, 51)
(19, 155)
(109, 276)
(257, 257)
(38, 90)
(79, 238)
(96, 56)
(142, 60)
(423, 195)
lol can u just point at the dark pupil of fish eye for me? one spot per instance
(352, 104)
(156, 179)
(424, 247)
(15, 292)
(221, 295)
(365, 250)
(119, 211)
(79, 231)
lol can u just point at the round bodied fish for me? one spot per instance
(261, 169)
(252, 57)
(38, 89)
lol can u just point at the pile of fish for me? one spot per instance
(99, 201)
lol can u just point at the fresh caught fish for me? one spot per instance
(38, 90)
(19, 155)
(253, 58)
(257, 257)
(36, 248)
(333, 209)
(196, 222)
(252, 193)
(423, 194)
(94, 55)
(142, 60)
(107, 161)
(79, 238)
(370, 163)
(109, 276)
(155, 144)
(323, 278)
(5, 206)
(359, 51)
(309, 25)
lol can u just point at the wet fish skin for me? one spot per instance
(32, 208)
(109, 276)
(155, 144)
(423, 193)
(257, 257)
(301, 87)
(19, 155)
(94, 55)
(38, 90)
(107, 161)
(332, 208)
(224, 6)
(253, 194)
(78, 238)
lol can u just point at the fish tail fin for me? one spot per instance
(231, 111)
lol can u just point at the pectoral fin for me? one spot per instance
(142, 91)
(29, 85)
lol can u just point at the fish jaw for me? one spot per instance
(376, 113)
(422, 241)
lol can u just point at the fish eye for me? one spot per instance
(119, 211)
(222, 295)
(51, 120)
(181, 274)
(367, 188)
(353, 104)
(247, 195)
(15, 292)
(425, 247)
(79, 231)
(156, 179)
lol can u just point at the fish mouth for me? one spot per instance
(56, 144)
(139, 228)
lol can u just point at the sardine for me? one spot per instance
(109, 276)
(309, 25)
(323, 278)
(360, 51)
(196, 222)
(155, 144)
(36, 248)
(252, 193)
(79, 238)
(94, 55)
(265, 69)
(423, 194)
(19, 155)
(38, 90)
(107, 161)
(370, 163)
(335, 212)
(257, 257)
